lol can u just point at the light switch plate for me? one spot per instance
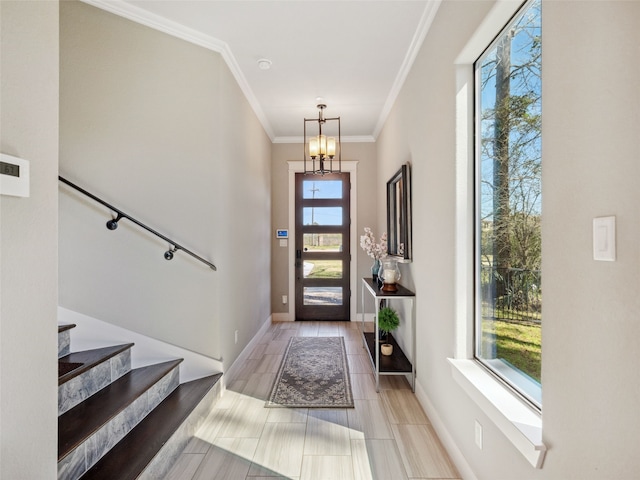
(604, 239)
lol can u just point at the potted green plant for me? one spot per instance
(388, 320)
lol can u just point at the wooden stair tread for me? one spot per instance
(128, 459)
(89, 359)
(80, 422)
(66, 367)
(67, 326)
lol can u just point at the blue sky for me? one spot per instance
(322, 189)
(523, 82)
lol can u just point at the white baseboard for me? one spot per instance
(281, 317)
(445, 437)
(233, 370)
(368, 317)
(286, 317)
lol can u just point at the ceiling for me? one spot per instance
(354, 55)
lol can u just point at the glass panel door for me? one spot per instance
(322, 247)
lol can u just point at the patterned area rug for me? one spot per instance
(313, 374)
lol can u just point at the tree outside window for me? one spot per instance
(509, 203)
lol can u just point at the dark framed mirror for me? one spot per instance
(399, 214)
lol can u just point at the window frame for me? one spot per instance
(515, 419)
(511, 377)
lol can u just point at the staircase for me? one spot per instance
(115, 422)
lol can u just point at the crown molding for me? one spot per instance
(426, 20)
(349, 139)
(157, 22)
(143, 17)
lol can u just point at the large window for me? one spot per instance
(508, 204)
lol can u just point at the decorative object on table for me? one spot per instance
(377, 251)
(390, 274)
(388, 320)
(313, 374)
(375, 269)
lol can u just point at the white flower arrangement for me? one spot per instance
(369, 245)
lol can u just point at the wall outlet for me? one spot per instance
(478, 435)
(236, 336)
(284, 299)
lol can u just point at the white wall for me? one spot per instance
(591, 120)
(158, 127)
(28, 240)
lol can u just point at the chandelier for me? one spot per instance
(321, 150)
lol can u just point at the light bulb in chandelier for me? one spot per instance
(322, 147)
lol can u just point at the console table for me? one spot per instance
(397, 363)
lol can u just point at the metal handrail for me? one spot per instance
(113, 224)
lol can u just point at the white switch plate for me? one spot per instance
(604, 239)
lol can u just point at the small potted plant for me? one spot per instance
(388, 321)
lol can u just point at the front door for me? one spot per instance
(322, 246)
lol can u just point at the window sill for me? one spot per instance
(518, 422)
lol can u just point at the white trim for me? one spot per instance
(426, 19)
(494, 22)
(280, 317)
(297, 166)
(231, 373)
(175, 29)
(443, 434)
(368, 317)
(519, 423)
(464, 246)
(343, 139)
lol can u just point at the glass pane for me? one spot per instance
(322, 216)
(322, 189)
(322, 269)
(322, 242)
(322, 295)
(509, 282)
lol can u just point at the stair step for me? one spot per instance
(89, 359)
(66, 367)
(98, 368)
(64, 339)
(86, 418)
(129, 458)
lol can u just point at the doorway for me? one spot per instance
(322, 247)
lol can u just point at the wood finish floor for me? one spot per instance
(387, 436)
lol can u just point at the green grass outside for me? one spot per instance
(326, 269)
(518, 344)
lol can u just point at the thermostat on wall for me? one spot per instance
(14, 176)
(282, 233)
